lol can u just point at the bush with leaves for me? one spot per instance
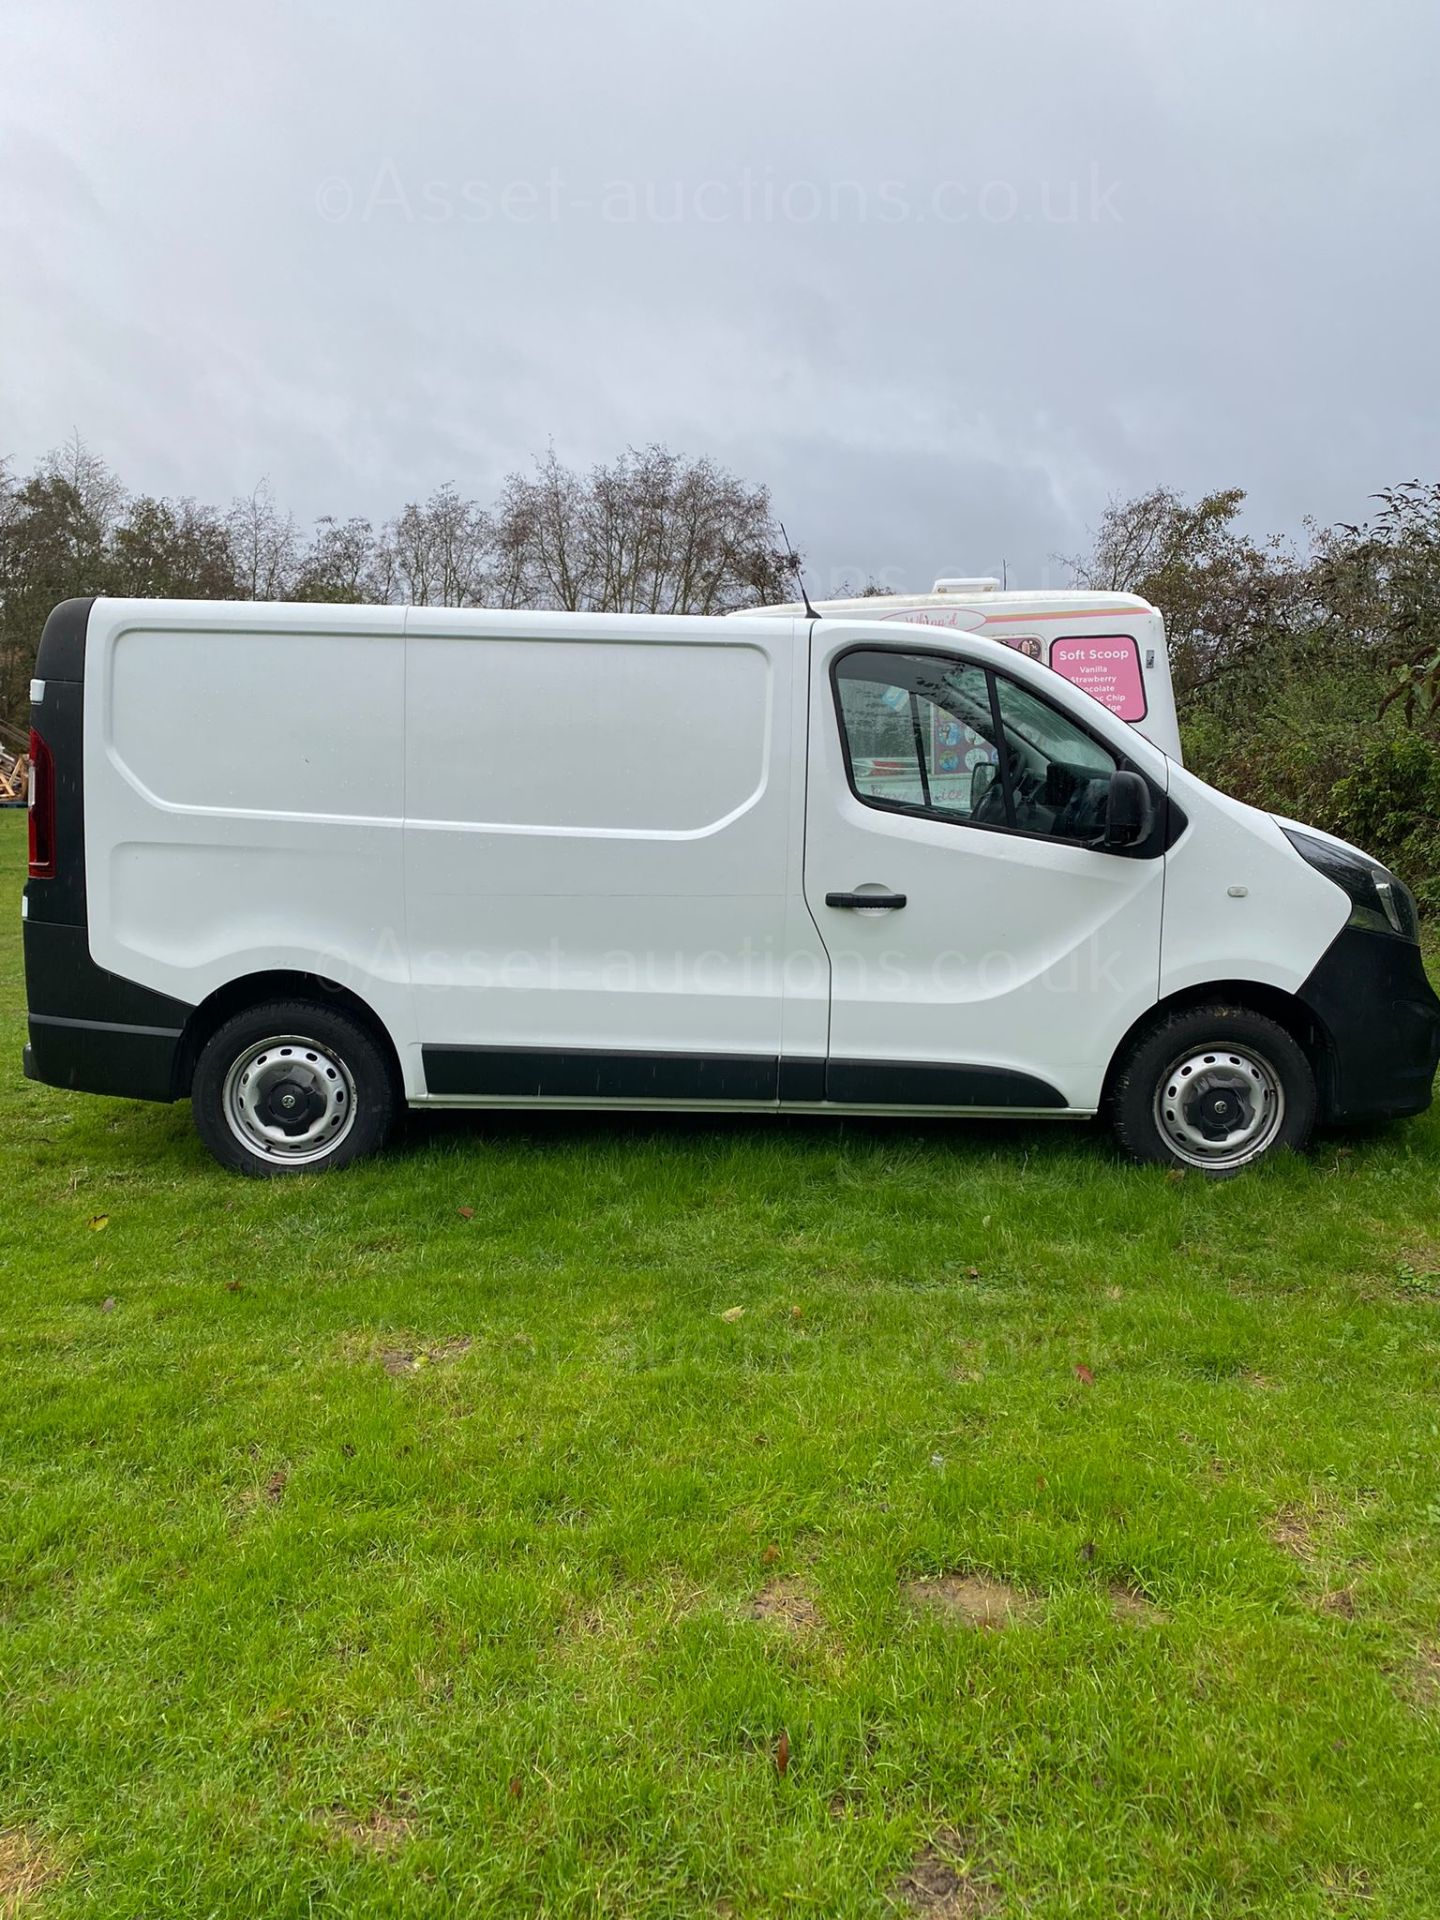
(1390, 805)
(1307, 683)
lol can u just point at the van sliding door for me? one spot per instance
(601, 856)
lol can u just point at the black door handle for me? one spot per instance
(863, 900)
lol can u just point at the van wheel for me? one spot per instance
(292, 1087)
(1215, 1088)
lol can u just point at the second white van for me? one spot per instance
(1111, 644)
(306, 865)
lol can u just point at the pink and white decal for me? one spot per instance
(1105, 665)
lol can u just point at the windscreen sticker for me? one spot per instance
(1106, 665)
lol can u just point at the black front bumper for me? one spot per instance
(1381, 1018)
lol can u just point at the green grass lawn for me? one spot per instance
(437, 1537)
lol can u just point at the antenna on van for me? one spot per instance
(794, 560)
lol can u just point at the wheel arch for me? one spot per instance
(252, 990)
(1287, 1010)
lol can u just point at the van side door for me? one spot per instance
(602, 849)
(1007, 950)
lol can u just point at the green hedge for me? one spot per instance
(1300, 731)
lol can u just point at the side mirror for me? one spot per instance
(1128, 810)
(982, 778)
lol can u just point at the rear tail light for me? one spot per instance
(42, 810)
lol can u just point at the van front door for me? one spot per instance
(1006, 952)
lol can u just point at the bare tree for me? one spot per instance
(265, 546)
(100, 492)
(541, 538)
(441, 551)
(346, 562)
(846, 589)
(650, 533)
(1220, 591)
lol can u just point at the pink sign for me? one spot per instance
(1106, 665)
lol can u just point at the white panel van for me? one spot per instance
(307, 865)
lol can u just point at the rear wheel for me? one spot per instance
(1214, 1088)
(292, 1087)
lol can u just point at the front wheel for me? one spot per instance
(292, 1087)
(1214, 1088)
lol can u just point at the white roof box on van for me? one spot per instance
(979, 583)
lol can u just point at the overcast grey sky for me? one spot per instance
(946, 276)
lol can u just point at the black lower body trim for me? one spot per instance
(922, 1083)
(1381, 1016)
(556, 1073)
(93, 1056)
(93, 1031)
(802, 1081)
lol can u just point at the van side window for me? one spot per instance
(1059, 774)
(935, 736)
(917, 730)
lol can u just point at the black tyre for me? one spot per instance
(1215, 1089)
(292, 1087)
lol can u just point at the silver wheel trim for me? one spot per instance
(1223, 1074)
(316, 1071)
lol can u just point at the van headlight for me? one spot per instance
(1378, 901)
